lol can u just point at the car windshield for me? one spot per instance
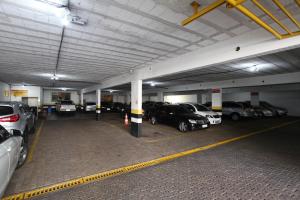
(6, 110)
(201, 107)
(90, 103)
(67, 102)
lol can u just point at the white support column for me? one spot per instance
(81, 97)
(216, 99)
(160, 96)
(98, 105)
(136, 107)
(254, 97)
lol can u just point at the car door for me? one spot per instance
(26, 118)
(4, 161)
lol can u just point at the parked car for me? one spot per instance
(17, 116)
(277, 111)
(13, 153)
(89, 106)
(213, 117)
(106, 107)
(261, 111)
(179, 116)
(236, 110)
(66, 106)
(118, 107)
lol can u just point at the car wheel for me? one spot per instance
(153, 120)
(23, 153)
(235, 117)
(182, 126)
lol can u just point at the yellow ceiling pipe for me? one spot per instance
(261, 7)
(238, 5)
(257, 20)
(286, 12)
(202, 12)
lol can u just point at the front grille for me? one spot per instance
(216, 116)
(200, 122)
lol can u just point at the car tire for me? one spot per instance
(153, 120)
(183, 126)
(235, 117)
(24, 152)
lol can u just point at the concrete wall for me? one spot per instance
(90, 97)
(286, 99)
(33, 91)
(192, 98)
(47, 97)
(4, 87)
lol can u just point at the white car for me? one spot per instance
(66, 106)
(213, 117)
(12, 155)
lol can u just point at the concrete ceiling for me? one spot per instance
(121, 35)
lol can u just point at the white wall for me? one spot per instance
(4, 87)
(89, 97)
(33, 91)
(181, 98)
(286, 99)
(47, 97)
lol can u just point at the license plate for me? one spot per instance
(68, 110)
(204, 126)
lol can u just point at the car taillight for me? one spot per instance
(12, 118)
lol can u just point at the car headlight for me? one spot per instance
(192, 121)
(209, 116)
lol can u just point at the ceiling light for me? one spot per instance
(152, 84)
(255, 68)
(54, 77)
(65, 21)
(64, 89)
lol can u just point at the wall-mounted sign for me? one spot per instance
(19, 93)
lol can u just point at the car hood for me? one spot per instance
(192, 116)
(204, 113)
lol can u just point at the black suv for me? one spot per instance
(178, 116)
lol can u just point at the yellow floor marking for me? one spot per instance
(123, 170)
(35, 141)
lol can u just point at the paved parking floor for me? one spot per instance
(264, 166)
(79, 146)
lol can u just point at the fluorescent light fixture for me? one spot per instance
(152, 84)
(64, 89)
(65, 21)
(255, 68)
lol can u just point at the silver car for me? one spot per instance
(90, 106)
(236, 110)
(65, 106)
(12, 155)
(17, 116)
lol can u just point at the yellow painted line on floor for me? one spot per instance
(35, 141)
(123, 170)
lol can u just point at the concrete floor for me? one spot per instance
(80, 146)
(265, 166)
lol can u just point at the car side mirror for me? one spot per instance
(15, 133)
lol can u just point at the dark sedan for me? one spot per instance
(178, 116)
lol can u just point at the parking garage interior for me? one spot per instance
(116, 89)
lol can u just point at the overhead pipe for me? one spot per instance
(202, 12)
(286, 12)
(266, 11)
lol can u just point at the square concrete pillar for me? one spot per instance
(136, 107)
(81, 98)
(98, 105)
(216, 99)
(160, 96)
(254, 98)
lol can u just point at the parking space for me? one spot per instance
(77, 147)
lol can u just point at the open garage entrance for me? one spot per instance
(94, 89)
